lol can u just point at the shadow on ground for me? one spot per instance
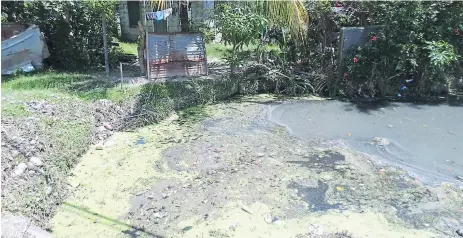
(132, 231)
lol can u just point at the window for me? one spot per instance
(133, 8)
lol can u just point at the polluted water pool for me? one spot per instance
(426, 139)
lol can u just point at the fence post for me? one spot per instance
(105, 44)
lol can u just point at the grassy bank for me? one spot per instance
(54, 117)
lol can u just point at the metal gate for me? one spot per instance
(175, 54)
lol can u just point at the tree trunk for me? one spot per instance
(185, 25)
(141, 48)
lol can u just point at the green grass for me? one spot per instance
(87, 86)
(129, 48)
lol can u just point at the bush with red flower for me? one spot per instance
(401, 50)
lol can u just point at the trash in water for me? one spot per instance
(339, 188)
(399, 95)
(187, 228)
(409, 80)
(403, 88)
(140, 141)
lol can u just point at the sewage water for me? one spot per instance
(425, 139)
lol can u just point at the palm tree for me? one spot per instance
(290, 15)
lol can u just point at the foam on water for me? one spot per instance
(425, 139)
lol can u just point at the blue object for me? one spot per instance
(403, 88)
(141, 141)
(159, 15)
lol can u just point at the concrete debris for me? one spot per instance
(36, 161)
(20, 169)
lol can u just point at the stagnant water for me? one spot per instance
(424, 138)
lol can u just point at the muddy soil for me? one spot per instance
(225, 170)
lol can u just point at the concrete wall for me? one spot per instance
(128, 33)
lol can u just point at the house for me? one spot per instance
(132, 11)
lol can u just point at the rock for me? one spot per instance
(381, 141)
(20, 169)
(18, 226)
(107, 126)
(268, 218)
(31, 166)
(460, 232)
(36, 161)
(48, 190)
(101, 129)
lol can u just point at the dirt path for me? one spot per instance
(225, 171)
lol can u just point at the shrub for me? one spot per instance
(73, 30)
(420, 41)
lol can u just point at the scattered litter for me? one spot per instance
(394, 108)
(99, 147)
(339, 188)
(459, 177)
(140, 141)
(268, 218)
(390, 126)
(349, 134)
(187, 228)
(425, 126)
(277, 221)
(459, 232)
(452, 132)
(107, 126)
(426, 224)
(234, 225)
(246, 209)
(48, 190)
(140, 193)
(403, 88)
(409, 80)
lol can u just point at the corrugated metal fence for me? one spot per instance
(175, 54)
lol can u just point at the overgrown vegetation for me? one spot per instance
(418, 42)
(72, 29)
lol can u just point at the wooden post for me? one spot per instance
(122, 76)
(148, 73)
(105, 44)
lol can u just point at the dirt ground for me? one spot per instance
(224, 170)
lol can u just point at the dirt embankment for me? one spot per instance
(41, 146)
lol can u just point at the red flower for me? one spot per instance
(346, 74)
(373, 38)
(356, 60)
